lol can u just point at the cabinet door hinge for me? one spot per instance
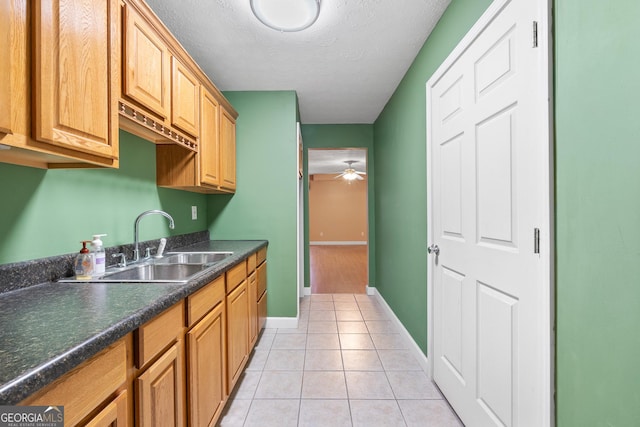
(536, 240)
(535, 33)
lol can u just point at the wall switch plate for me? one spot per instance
(194, 212)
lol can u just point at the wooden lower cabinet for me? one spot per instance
(206, 368)
(178, 368)
(237, 333)
(160, 396)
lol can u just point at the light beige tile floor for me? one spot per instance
(345, 365)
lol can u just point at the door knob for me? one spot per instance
(433, 249)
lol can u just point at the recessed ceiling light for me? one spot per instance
(286, 15)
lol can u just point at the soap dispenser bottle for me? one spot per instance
(99, 257)
(84, 262)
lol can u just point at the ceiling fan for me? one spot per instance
(350, 173)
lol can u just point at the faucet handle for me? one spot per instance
(161, 246)
(123, 259)
(147, 252)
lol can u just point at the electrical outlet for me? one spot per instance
(194, 212)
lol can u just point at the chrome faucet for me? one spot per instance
(136, 250)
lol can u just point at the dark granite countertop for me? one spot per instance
(49, 329)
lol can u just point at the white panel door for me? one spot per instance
(486, 193)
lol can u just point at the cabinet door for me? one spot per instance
(209, 147)
(146, 68)
(262, 278)
(160, 395)
(262, 311)
(7, 19)
(261, 273)
(185, 98)
(237, 333)
(253, 309)
(206, 368)
(76, 75)
(227, 149)
(113, 415)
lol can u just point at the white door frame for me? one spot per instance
(299, 219)
(547, 231)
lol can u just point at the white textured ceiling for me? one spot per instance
(344, 68)
(334, 161)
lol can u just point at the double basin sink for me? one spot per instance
(174, 267)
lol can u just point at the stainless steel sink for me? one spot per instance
(174, 267)
(192, 258)
(154, 273)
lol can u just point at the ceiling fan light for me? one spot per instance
(350, 175)
(286, 15)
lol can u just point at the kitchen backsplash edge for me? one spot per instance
(23, 274)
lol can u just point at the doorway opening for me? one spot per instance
(338, 220)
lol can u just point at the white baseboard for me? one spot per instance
(338, 243)
(281, 323)
(370, 290)
(413, 347)
(306, 291)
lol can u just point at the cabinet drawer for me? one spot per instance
(261, 256)
(157, 334)
(262, 278)
(201, 302)
(236, 275)
(251, 263)
(87, 386)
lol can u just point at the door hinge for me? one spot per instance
(535, 33)
(536, 240)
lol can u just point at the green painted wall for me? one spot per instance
(264, 206)
(401, 189)
(597, 78)
(341, 136)
(47, 212)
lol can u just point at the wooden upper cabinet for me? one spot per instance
(227, 149)
(185, 98)
(213, 168)
(146, 65)
(76, 75)
(209, 154)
